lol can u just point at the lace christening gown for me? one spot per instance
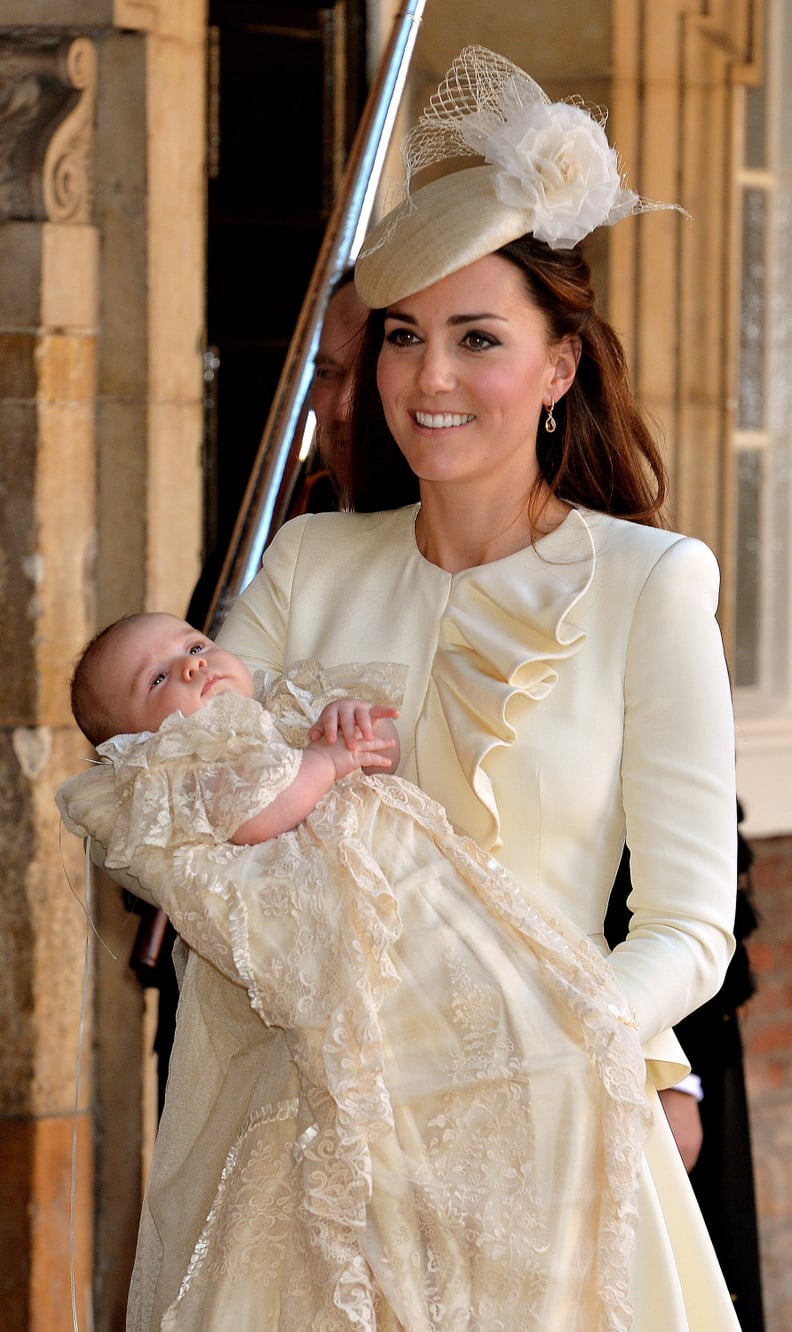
(407, 1096)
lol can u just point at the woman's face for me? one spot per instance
(464, 369)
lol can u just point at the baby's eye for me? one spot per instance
(157, 680)
(197, 647)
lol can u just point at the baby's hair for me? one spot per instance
(88, 710)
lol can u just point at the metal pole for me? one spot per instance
(350, 214)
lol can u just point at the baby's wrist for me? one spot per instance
(323, 752)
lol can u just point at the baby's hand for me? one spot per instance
(352, 719)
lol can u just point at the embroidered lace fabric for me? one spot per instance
(465, 1145)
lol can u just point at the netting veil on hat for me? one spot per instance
(549, 171)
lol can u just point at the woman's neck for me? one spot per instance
(457, 531)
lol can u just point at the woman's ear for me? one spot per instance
(567, 356)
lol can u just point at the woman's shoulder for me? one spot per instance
(651, 566)
(619, 539)
(344, 524)
(333, 539)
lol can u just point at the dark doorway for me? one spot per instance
(286, 89)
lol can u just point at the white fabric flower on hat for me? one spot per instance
(555, 163)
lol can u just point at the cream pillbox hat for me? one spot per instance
(548, 171)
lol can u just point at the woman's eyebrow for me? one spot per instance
(452, 321)
(473, 318)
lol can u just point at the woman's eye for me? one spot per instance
(401, 337)
(479, 341)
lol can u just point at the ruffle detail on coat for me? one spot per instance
(506, 632)
(197, 778)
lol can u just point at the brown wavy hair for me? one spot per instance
(602, 455)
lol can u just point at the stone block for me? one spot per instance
(48, 275)
(20, 275)
(70, 276)
(46, 16)
(121, 212)
(121, 507)
(17, 941)
(35, 1223)
(18, 378)
(174, 505)
(176, 205)
(48, 448)
(66, 365)
(18, 563)
(43, 943)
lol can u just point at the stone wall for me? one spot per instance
(767, 1036)
(101, 303)
(48, 358)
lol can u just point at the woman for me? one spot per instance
(566, 684)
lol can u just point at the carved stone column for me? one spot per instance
(48, 336)
(47, 97)
(676, 70)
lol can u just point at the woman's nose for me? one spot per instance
(435, 370)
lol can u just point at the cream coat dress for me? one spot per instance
(558, 701)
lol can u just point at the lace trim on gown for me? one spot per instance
(198, 777)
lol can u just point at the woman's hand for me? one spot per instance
(683, 1116)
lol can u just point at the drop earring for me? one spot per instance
(550, 421)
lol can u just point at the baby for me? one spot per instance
(461, 1084)
(145, 668)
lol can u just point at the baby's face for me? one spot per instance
(159, 665)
